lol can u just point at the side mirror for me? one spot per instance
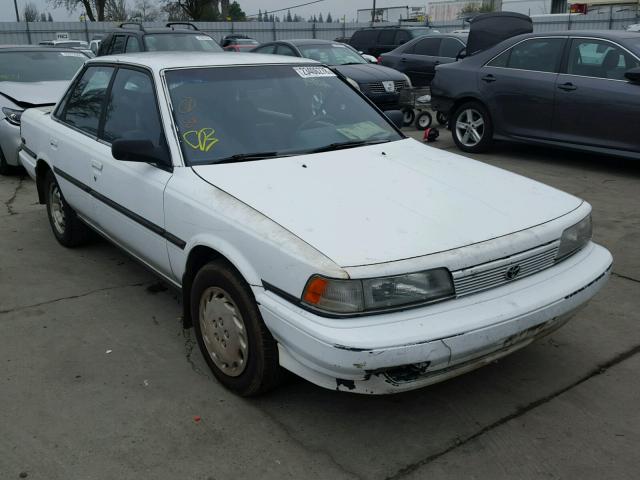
(461, 54)
(633, 75)
(140, 151)
(396, 117)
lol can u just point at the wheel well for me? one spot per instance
(198, 257)
(41, 172)
(459, 102)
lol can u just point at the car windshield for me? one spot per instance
(331, 54)
(418, 32)
(227, 114)
(39, 66)
(170, 42)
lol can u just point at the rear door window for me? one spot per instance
(402, 37)
(84, 104)
(450, 47)
(133, 45)
(365, 37)
(427, 46)
(537, 54)
(387, 37)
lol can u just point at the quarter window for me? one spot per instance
(286, 50)
(427, 46)
(595, 58)
(118, 44)
(84, 106)
(132, 111)
(266, 49)
(538, 55)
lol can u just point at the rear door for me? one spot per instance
(595, 103)
(72, 145)
(421, 59)
(519, 87)
(129, 205)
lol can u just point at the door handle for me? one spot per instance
(96, 165)
(489, 78)
(567, 87)
(436, 62)
(403, 59)
(53, 142)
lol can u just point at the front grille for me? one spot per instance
(377, 87)
(494, 274)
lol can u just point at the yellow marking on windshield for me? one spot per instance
(201, 140)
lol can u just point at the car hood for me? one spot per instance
(368, 72)
(389, 202)
(31, 94)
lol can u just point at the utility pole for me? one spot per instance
(373, 13)
(15, 4)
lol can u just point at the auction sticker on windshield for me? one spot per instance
(314, 72)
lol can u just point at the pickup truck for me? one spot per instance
(304, 230)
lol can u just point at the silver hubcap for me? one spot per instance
(57, 208)
(223, 331)
(470, 127)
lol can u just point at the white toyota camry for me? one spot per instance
(305, 231)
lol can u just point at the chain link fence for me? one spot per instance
(20, 33)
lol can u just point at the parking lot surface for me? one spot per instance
(100, 381)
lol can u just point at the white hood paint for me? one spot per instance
(34, 93)
(391, 201)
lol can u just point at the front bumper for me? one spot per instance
(9, 142)
(384, 101)
(406, 350)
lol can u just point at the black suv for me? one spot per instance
(132, 37)
(377, 40)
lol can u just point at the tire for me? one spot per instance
(480, 123)
(441, 117)
(65, 224)
(231, 334)
(424, 121)
(409, 116)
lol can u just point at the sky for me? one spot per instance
(336, 7)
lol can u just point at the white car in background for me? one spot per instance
(303, 228)
(30, 77)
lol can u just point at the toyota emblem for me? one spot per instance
(512, 272)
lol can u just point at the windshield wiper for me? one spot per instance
(248, 157)
(343, 145)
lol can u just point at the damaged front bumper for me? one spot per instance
(406, 350)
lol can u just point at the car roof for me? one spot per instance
(608, 34)
(158, 61)
(157, 30)
(38, 48)
(306, 41)
(397, 27)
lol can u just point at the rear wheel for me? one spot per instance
(5, 168)
(471, 127)
(408, 116)
(65, 224)
(442, 118)
(231, 334)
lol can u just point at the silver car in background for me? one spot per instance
(30, 76)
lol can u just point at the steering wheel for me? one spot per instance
(324, 121)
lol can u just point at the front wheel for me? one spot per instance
(65, 224)
(424, 121)
(471, 127)
(231, 334)
(442, 118)
(408, 116)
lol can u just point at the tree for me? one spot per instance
(321, 19)
(329, 18)
(116, 10)
(203, 10)
(43, 17)
(235, 13)
(174, 12)
(93, 8)
(259, 15)
(145, 11)
(471, 9)
(30, 13)
(49, 17)
(289, 19)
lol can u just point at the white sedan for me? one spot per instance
(305, 231)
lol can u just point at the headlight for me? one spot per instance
(574, 238)
(12, 116)
(356, 296)
(353, 83)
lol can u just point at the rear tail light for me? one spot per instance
(380, 60)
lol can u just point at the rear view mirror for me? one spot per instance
(140, 151)
(396, 117)
(633, 75)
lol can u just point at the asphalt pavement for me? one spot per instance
(100, 381)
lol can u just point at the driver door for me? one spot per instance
(130, 207)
